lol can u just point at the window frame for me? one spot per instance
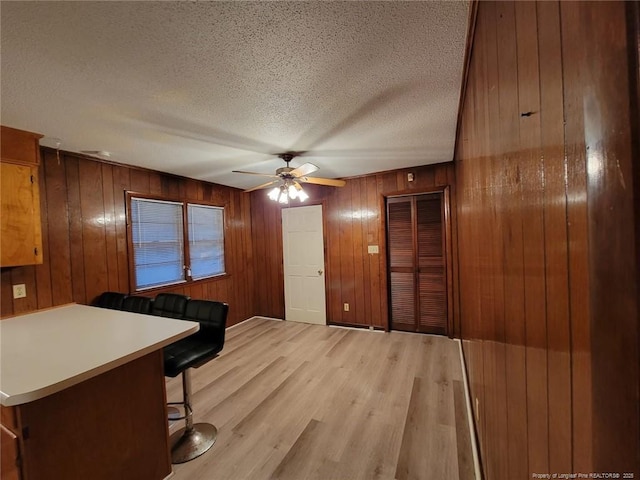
(188, 279)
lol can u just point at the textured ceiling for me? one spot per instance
(203, 88)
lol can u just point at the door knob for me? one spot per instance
(319, 272)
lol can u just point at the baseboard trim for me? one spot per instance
(363, 328)
(472, 428)
(267, 318)
(255, 317)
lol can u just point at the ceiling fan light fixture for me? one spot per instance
(289, 180)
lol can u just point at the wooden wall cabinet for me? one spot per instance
(21, 234)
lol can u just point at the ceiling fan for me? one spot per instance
(289, 180)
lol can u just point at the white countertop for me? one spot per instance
(47, 351)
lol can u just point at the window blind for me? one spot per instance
(206, 240)
(158, 244)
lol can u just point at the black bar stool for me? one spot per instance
(112, 300)
(137, 304)
(170, 305)
(192, 352)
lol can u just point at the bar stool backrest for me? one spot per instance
(171, 305)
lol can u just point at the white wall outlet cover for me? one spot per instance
(19, 291)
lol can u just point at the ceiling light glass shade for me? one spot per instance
(293, 193)
(274, 194)
(302, 195)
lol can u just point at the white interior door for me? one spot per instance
(303, 244)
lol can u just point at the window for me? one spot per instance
(158, 245)
(206, 240)
(164, 233)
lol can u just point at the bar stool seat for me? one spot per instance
(188, 353)
(192, 352)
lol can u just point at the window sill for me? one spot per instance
(185, 284)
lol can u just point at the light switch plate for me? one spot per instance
(373, 249)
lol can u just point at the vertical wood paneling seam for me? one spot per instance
(522, 232)
(457, 253)
(80, 254)
(633, 48)
(66, 196)
(364, 229)
(490, 68)
(509, 144)
(566, 195)
(44, 218)
(104, 223)
(544, 234)
(501, 342)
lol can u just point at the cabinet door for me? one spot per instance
(9, 453)
(21, 235)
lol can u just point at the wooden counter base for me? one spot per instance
(110, 426)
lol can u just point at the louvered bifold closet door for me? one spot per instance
(432, 294)
(401, 237)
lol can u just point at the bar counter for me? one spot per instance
(83, 393)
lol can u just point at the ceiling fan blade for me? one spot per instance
(303, 170)
(264, 185)
(330, 182)
(254, 173)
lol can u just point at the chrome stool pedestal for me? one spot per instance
(192, 440)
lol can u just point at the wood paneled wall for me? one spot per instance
(354, 218)
(547, 261)
(85, 242)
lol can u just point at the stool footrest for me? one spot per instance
(188, 411)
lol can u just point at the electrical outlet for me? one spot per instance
(346, 307)
(19, 291)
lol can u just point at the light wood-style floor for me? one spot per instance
(298, 401)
